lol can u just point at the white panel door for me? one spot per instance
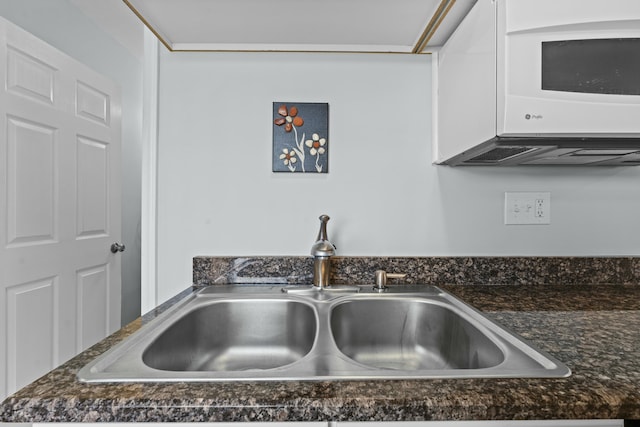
(59, 207)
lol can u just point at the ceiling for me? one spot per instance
(399, 26)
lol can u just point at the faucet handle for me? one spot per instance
(382, 276)
(322, 232)
(323, 247)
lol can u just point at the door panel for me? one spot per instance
(31, 333)
(31, 189)
(93, 313)
(29, 76)
(93, 188)
(59, 207)
(92, 104)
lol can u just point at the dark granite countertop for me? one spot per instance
(593, 329)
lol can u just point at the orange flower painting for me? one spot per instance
(300, 137)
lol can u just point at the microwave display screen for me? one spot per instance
(601, 66)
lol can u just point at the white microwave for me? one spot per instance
(545, 81)
(570, 67)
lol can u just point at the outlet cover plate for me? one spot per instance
(522, 208)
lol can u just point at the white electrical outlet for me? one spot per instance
(527, 208)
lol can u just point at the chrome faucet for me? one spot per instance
(322, 251)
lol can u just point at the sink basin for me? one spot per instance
(235, 336)
(247, 333)
(409, 334)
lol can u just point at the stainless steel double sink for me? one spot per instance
(244, 333)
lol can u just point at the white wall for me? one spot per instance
(218, 196)
(61, 24)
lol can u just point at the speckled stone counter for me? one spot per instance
(208, 270)
(593, 329)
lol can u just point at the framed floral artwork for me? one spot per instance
(300, 137)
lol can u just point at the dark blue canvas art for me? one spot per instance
(300, 137)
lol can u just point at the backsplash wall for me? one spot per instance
(218, 196)
(511, 271)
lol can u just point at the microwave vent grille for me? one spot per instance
(500, 154)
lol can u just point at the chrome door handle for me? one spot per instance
(117, 247)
